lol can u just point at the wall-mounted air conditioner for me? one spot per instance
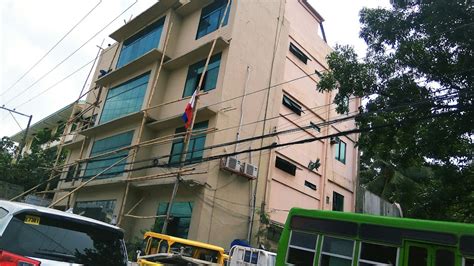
(334, 140)
(231, 164)
(249, 170)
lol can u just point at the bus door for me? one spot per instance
(420, 254)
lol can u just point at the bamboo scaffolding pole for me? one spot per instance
(33, 188)
(88, 181)
(142, 125)
(70, 120)
(190, 128)
(134, 206)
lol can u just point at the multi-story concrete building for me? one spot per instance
(260, 80)
(54, 125)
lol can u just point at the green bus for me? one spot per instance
(327, 238)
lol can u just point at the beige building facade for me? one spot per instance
(261, 80)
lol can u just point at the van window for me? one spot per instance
(3, 212)
(63, 239)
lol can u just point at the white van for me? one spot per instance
(32, 235)
(240, 255)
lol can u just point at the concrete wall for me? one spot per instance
(256, 58)
(369, 203)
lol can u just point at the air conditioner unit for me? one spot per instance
(334, 140)
(231, 164)
(249, 170)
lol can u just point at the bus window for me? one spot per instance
(418, 256)
(373, 254)
(468, 262)
(337, 251)
(302, 248)
(444, 257)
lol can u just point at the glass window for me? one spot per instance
(468, 262)
(3, 212)
(55, 237)
(292, 105)
(341, 151)
(195, 72)
(418, 256)
(211, 16)
(298, 53)
(337, 252)
(140, 43)
(310, 185)
(180, 218)
(99, 164)
(337, 202)
(285, 166)
(102, 210)
(195, 148)
(374, 254)
(302, 248)
(444, 257)
(125, 99)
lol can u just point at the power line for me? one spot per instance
(70, 55)
(173, 137)
(55, 84)
(243, 140)
(15, 120)
(308, 140)
(52, 48)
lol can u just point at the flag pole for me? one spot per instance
(189, 129)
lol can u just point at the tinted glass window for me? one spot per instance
(210, 77)
(292, 105)
(125, 99)
(373, 254)
(196, 145)
(468, 262)
(62, 239)
(341, 151)
(3, 212)
(181, 213)
(302, 247)
(444, 257)
(285, 165)
(140, 43)
(337, 251)
(418, 256)
(298, 53)
(303, 240)
(97, 165)
(337, 202)
(211, 17)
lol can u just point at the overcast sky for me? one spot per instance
(29, 28)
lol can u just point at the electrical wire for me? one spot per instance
(52, 48)
(70, 55)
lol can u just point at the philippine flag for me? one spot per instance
(188, 112)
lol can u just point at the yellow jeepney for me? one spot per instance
(162, 249)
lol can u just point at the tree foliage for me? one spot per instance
(417, 77)
(33, 167)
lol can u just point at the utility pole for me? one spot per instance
(189, 130)
(25, 134)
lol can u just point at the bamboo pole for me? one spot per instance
(190, 128)
(142, 125)
(88, 181)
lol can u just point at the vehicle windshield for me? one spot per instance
(63, 239)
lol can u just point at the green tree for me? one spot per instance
(33, 167)
(417, 76)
